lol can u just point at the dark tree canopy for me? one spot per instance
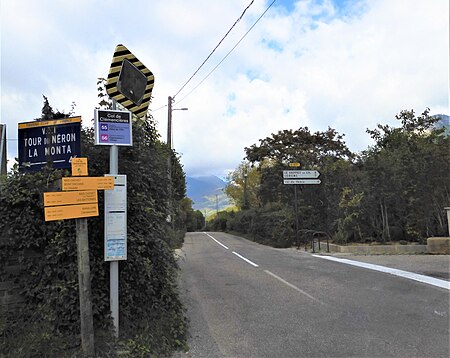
(300, 146)
(394, 191)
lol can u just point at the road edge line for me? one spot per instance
(396, 272)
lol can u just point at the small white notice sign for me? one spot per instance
(116, 220)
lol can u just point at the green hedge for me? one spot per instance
(269, 226)
(152, 318)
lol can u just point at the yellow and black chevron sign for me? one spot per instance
(129, 82)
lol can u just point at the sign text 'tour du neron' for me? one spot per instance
(52, 142)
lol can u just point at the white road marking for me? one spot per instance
(410, 275)
(246, 260)
(292, 286)
(216, 241)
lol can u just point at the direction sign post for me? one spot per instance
(301, 181)
(79, 201)
(88, 183)
(70, 197)
(297, 174)
(299, 177)
(84, 283)
(79, 167)
(63, 212)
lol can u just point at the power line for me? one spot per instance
(157, 109)
(229, 52)
(215, 48)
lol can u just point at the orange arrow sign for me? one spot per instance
(70, 212)
(88, 183)
(70, 197)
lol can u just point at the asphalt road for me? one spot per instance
(250, 300)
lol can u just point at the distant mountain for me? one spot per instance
(203, 190)
(443, 123)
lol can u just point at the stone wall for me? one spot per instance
(438, 245)
(435, 245)
(376, 249)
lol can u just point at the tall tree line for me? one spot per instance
(395, 190)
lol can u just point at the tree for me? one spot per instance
(395, 190)
(190, 219)
(299, 146)
(349, 222)
(406, 178)
(242, 186)
(312, 150)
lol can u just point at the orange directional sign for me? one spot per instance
(70, 197)
(294, 164)
(70, 212)
(88, 183)
(79, 167)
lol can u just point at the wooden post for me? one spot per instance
(84, 283)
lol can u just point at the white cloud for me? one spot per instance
(318, 66)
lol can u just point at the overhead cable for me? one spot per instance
(215, 48)
(229, 52)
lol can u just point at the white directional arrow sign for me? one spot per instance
(301, 181)
(294, 174)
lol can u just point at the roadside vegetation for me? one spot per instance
(47, 323)
(396, 190)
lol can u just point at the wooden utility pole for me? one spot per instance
(169, 121)
(84, 283)
(169, 158)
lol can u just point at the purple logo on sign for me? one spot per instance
(113, 127)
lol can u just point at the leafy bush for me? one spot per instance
(274, 227)
(152, 318)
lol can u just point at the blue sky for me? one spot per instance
(316, 63)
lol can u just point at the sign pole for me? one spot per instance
(84, 285)
(296, 217)
(114, 265)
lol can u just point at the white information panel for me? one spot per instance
(116, 220)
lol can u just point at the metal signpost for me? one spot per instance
(299, 177)
(114, 128)
(129, 83)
